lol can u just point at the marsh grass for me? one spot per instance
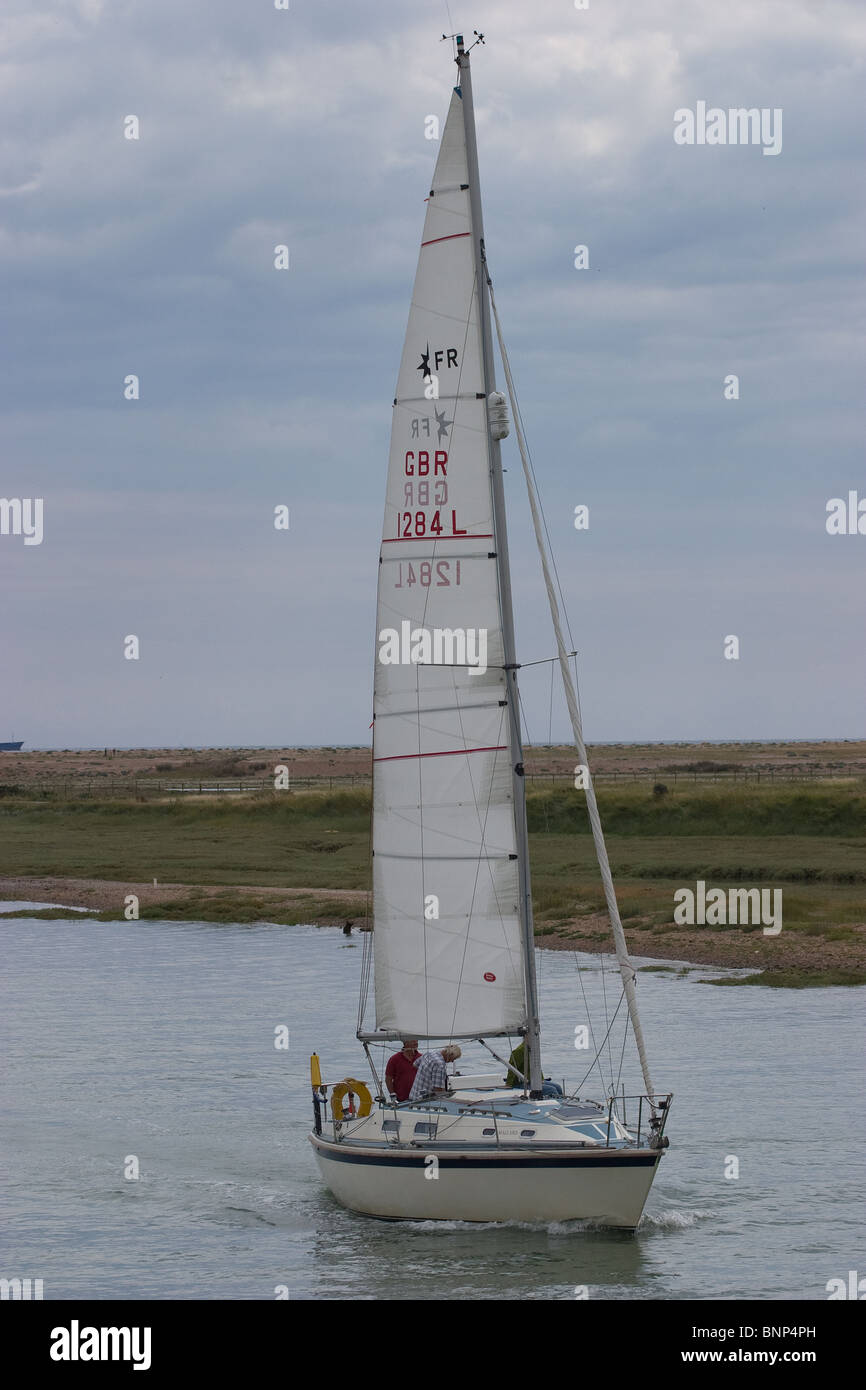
(795, 979)
(810, 841)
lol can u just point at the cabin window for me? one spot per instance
(527, 1133)
(488, 1131)
(428, 1130)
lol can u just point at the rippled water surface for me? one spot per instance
(156, 1040)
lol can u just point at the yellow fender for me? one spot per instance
(357, 1088)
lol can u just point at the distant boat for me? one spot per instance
(449, 812)
(10, 747)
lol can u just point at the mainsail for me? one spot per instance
(447, 939)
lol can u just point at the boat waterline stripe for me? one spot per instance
(547, 1160)
(450, 753)
(452, 237)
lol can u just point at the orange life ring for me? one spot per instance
(350, 1087)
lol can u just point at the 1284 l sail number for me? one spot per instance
(439, 573)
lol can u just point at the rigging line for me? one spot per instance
(362, 1002)
(370, 952)
(626, 968)
(367, 953)
(543, 661)
(421, 839)
(577, 685)
(519, 414)
(482, 826)
(514, 707)
(367, 950)
(519, 421)
(360, 1019)
(604, 997)
(622, 1053)
(527, 743)
(523, 719)
(550, 712)
(603, 1041)
(596, 1048)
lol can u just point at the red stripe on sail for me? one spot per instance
(461, 536)
(452, 237)
(452, 753)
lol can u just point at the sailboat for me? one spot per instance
(451, 951)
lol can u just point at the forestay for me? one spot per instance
(447, 942)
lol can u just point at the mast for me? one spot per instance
(533, 1034)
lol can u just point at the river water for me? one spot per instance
(152, 1044)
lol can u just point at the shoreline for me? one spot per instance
(792, 959)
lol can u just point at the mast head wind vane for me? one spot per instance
(462, 50)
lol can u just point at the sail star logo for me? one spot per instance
(442, 425)
(442, 357)
(421, 425)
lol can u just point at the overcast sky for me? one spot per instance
(260, 126)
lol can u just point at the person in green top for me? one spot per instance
(518, 1060)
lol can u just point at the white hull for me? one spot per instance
(606, 1187)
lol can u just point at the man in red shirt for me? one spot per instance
(400, 1071)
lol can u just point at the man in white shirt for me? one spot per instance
(431, 1076)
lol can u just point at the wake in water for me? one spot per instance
(673, 1220)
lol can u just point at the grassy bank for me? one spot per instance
(808, 841)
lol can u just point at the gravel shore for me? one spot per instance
(734, 948)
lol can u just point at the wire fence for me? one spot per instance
(142, 788)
